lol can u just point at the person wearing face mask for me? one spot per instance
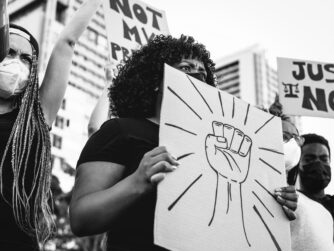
(27, 111)
(313, 227)
(315, 171)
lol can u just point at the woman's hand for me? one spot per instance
(288, 198)
(154, 166)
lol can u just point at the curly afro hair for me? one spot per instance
(133, 93)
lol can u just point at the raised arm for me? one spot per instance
(54, 84)
(100, 112)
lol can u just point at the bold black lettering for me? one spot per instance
(155, 22)
(145, 34)
(125, 7)
(128, 32)
(125, 53)
(315, 76)
(140, 13)
(301, 74)
(329, 68)
(114, 49)
(331, 100)
(319, 101)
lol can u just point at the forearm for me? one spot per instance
(80, 20)
(94, 213)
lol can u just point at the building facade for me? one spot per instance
(247, 75)
(45, 19)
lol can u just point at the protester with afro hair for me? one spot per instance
(115, 189)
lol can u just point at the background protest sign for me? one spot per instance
(221, 195)
(131, 24)
(306, 87)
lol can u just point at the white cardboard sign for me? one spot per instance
(131, 24)
(231, 160)
(306, 87)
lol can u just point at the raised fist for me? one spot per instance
(228, 151)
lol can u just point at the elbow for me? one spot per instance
(77, 223)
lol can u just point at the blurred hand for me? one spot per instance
(288, 198)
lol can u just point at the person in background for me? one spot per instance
(315, 171)
(313, 227)
(27, 112)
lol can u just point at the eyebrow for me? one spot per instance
(201, 66)
(21, 53)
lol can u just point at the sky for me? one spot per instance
(300, 29)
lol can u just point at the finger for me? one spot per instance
(290, 196)
(228, 134)
(286, 189)
(217, 128)
(165, 156)
(161, 166)
(289, 204)
(221, 142)
(156, 151)
(290, 214)
(158, 177)
(236, 140)
(245, 146)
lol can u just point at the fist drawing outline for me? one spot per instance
(228, 152)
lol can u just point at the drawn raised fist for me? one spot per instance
(228, 151)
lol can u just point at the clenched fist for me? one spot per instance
(228, 151)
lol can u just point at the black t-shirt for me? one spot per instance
(124, 141)
(12, 237)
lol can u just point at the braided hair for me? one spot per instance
(31, 209)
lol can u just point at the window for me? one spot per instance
(61, 12)
(57, 141)
(92, 35)
(59, 122)
(63, 104)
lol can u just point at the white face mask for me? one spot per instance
(13, 77)
(292, 154)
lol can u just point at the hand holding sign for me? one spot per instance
(228, 151)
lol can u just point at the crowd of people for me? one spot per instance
(122, 163)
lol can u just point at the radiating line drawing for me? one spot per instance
(180, 128)
(192, 83)
(267, 164)
(263, 204)
(228, 150)
(184, 192)
(268, 229)
(178, 96)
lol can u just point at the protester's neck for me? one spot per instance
(6, 106)
(315, 196)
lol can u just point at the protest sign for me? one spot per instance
(306, 87)
(131, 24)
(221, 196)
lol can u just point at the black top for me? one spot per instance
(125, 141)
(328, 203)
(11, 238)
